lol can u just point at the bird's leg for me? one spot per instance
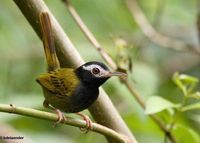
(61, 116)
(88, 122)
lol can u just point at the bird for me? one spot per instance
(69, 90)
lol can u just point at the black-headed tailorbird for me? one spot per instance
(66, 89)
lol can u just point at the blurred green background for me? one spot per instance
(22, 60)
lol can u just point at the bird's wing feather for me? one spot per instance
(61, 82)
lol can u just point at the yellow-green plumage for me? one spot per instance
(58, 86)
(61, 81)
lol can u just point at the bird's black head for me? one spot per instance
(95, 73)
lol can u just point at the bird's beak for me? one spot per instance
(109, 74)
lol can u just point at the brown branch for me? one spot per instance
(70, 121)
(112, 64)
(88, 34)
(102, 110)
(155, 36)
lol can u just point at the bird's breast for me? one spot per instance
(83, 97)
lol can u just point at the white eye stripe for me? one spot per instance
(90, 67)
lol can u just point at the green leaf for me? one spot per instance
(194, 106)
(188, 79)
(157, 104)
(195, 95)
(185, 134)
(177, 81)
(185, 82)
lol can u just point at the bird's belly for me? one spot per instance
(77, 102)
(58, 102)
(84, 99)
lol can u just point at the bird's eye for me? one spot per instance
(95, 70)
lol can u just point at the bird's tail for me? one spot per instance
(48, 42)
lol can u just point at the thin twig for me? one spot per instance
(153, 117)
(70, 121)
(155, 36)
(112, 64)
(88, 34)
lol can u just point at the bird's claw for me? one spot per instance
(88, 123)
(61, 117)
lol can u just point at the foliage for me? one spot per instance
(157, 104)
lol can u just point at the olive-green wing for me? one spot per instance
(61, 82)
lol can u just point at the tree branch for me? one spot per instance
(102, 110)
(153, 35)
(70, 121)
(112, 64)
(88, 34)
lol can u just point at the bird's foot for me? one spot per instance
(88, 123)
(61, 117)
